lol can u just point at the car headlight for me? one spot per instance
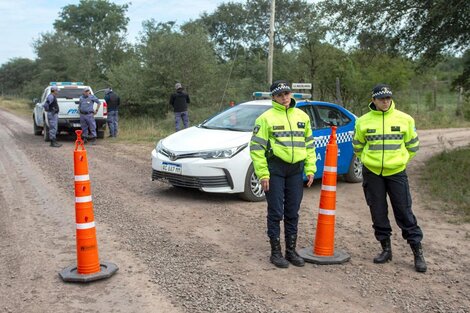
(159, 146)
(221, 153)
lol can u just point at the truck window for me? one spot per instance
(69, 93)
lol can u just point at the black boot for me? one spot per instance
(386, 254)
(276, 254)
(420, 263)
(55, 144)
(291, 254)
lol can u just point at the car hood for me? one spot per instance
(195, 139)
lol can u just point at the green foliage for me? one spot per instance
(98, 28)
(417, 26)
(15, 75)
(446, 178)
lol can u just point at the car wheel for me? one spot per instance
(253, 190)
(354, 174)
(46, 133)
(37, 129)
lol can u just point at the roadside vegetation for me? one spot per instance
(445, 178)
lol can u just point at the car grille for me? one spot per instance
(191, 181)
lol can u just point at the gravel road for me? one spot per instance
(186, 251)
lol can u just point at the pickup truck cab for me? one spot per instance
(69, 117)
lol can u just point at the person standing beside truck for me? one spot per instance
(52, 108)
(113, 101)
(87, 115)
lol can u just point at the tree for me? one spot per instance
(235, 25)
(99, 27)
(417, 27)
(15, 74)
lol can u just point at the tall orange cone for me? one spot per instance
(88, 265)
(323, 251)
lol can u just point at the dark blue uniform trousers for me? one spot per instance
(376, 188)
(284, 197)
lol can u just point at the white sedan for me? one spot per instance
(214, 155)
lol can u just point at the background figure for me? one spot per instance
(52, 108)
(87, 115)
(179, 101)
(385, 140)
(113, 101)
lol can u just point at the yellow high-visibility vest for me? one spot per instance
(284, 133)
(385, 141)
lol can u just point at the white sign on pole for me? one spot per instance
(301, 86)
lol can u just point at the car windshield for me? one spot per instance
(238, 118)
(70, 93)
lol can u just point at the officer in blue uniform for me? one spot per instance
(52, 108)
(87, 115)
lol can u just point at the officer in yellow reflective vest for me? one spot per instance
(385, 140)
(282, 149)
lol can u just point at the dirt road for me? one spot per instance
(187, 251)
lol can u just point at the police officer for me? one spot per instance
(52, 108)
(87, 115)
(385, 140)
(282, 149)
(113, 101)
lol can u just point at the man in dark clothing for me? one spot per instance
(179, 101)
(52, 108)
(113, 101)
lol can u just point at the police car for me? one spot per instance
(69, 117)
(214, 155)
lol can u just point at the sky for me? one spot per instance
(23, 21)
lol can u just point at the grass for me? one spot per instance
(148, 129)
(17, 105)
(445, 178)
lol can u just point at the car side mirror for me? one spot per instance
(35, 100)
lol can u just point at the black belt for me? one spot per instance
(81, 112)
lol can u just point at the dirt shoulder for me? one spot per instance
(187, 251)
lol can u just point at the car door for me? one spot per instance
(328, 115)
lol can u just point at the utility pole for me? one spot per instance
(271, 43)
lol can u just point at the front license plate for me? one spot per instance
(76, 125)
(171, 168)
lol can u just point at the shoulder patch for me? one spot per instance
(300, 124)
(256, 129)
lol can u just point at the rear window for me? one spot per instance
(70, 93)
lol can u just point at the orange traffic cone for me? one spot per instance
(88, 265)
(323, 250)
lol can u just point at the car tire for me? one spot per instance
(37, 129)
(46, 133)
(253, 190)
(354, 174)
(100, 134)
